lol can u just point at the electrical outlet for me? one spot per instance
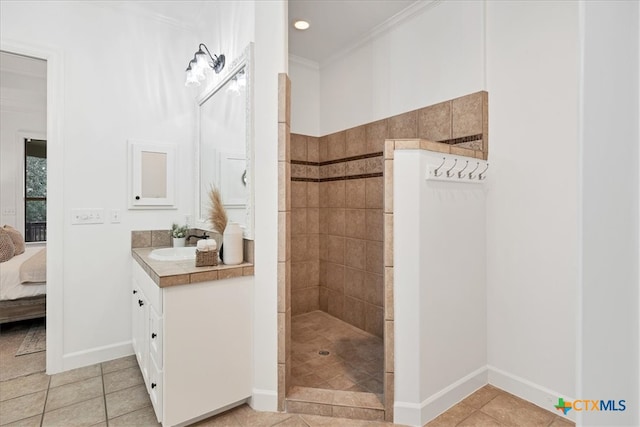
(87, 216)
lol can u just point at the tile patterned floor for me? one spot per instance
(355, 361)
(113, 394)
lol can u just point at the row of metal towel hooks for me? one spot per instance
(443, 171)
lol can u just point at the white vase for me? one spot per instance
(232, 244)
(178, 242)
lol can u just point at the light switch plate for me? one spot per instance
(87, 216)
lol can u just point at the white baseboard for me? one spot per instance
(264, 400)
(96, 355)
(414, 414)
(527, 390)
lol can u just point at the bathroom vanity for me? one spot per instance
(192, 335)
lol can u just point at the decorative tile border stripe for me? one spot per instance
(303, 162)
(461, 140)
(349, 159)
(339, 178)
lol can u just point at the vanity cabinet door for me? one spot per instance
(155, 337)
(140, 326)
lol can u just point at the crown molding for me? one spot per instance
(307, 63)
(412, 10)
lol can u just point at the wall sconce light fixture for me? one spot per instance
(203, 61)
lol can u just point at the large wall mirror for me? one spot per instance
(225, 146)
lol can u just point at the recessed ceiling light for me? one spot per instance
(301, 24)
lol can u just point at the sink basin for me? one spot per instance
(173, 254)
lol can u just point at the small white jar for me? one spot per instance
(232, 244)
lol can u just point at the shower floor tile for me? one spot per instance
(355, 359)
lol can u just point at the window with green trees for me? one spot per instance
(35, 190)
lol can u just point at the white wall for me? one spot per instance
(122, 75)
(440, 289)
(305, 96)
(120, 80)
(229, 27)
(609, 201)
(532, 207)
(432, 56)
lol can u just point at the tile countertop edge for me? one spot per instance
(176, 273)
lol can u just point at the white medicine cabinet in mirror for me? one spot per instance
(224, 152)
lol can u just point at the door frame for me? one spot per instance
(55, 193)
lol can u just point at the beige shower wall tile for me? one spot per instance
(374, 289)
(335, 304)
(388, 293)
(335, 249)
(332, 194)
(354, 315)
(305, 300)
(403, 125)
(313, 220)
(356, 167)
(336, 145)
(323, 146)
(336, 221)
(335, 276)
(438, 147)
(284, 142)
(356, 141)
(298, 171)
(284, 186)
(298, 221)
(374, 224)
(375, 165)
(354, 283)
(376, 133)
(299, 250)
(298, 194)
(355, 253)
(284, 99)
(299, 274)
(407, 144)
(313, 194)
(374, 257)
(388, 346)
(388, 186)
(313, 149)
(355, 223)
(284, 236)
(284, 286)
(388, 240)
(460, 151)
(298, 147)
(374, 320)
(467, 115)
(374, 192)
(389, 148)
(434, 122)
(355, 188)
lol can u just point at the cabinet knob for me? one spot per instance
(153, 335)
(140, 303)
(153, 385)
(137, 197)
(135, 292)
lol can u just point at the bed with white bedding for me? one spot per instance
(23, 285)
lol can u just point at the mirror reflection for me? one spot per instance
(225, 139)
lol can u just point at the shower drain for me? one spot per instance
(323, 353)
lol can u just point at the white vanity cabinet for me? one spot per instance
(193, 345)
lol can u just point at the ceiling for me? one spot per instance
(336, 24)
